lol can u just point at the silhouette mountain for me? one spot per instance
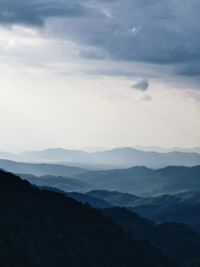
(176, 241)
(44, 228)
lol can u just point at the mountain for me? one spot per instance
(109, 159)
(143, 181)
(181, 208)
(40, 168)
(115, 198)
(62, 183)
(167, 150)
(176, 241)
(189, 197)
(92, 201)
(131, 180)
(120, 157)
(175, 208)
(137, 180)
(46, 229)
(140, 181)
(133, 157)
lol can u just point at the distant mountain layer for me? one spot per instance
(166, 150)
(39, 169)
(41, 228)
(181, 208)
(144, 181)
(137, 180)
(118, 158)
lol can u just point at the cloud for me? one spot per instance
(34, 12)
(192, 69)
(146, 98)
(165, 32)
(162, 33)
(142, 85)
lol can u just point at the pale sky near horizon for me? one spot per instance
(99, 74)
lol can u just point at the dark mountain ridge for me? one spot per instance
(181, 208)
(44, 228)
(176, 241)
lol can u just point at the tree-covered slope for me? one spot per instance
(176, 241)
(182, 207)
(43, 228)
(59, 182)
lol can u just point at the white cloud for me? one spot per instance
(146, 98)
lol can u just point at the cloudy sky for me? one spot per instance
(106, 73)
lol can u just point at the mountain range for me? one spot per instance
(140, 181)
(162, 236)
(181, 208)
(175, 241)
(59, 182)
(44, 228)
(144, 181)
(40, 169)
(115, 158)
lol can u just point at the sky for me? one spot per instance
(99, 73)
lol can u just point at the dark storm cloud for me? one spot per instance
(161, 32)
(151, 31)
(142, 85)
(35, 12)
(192, 69)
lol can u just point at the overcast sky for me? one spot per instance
(78, 73)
